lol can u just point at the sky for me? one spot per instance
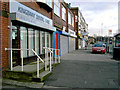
(100, 15)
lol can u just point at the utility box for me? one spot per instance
(116, 49)
(116, 53)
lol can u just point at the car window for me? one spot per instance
(98, 45)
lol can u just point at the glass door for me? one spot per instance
(16, 45)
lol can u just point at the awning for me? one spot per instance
(31, 21)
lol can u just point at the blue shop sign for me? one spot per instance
(64, 33)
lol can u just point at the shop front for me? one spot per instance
(64, 42)
(29, 29)
(72, 40)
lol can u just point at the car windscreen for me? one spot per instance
(98, 45)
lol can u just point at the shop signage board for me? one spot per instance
(65, 33)
(72, 33)
(30, 16)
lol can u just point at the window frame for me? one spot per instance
(69, 18)
(57, 4)
(63, 12)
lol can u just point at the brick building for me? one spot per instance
(34, 25)
(64, 23)
(81, 28)
(25, 25)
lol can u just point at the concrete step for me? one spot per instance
(22, 84)
(30, 70)
(44, 75)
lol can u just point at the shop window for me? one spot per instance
(31, 40)
(37, 41)
(42, 42)
(23, 40)
(48, 39)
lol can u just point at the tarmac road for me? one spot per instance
(82, 69)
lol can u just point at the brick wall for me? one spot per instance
(5, 40)
(0, 35)
(75, 11)
(4, 33)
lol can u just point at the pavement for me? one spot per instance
(82, 69)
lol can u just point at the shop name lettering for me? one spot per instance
(27, 12)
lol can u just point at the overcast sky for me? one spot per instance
(101, 15)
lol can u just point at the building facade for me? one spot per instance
(64, 23)
(29, 26)
(34, 25)
(81, 28)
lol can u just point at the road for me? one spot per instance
(82, 69)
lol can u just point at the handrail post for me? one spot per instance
(37, 67)
(45, 61)
(50, 62)
(59, 56)
(55, 56)
(52, 56)
(11, 61)
(22, 59)
(47, 57)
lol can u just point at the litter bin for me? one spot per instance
(116, 53)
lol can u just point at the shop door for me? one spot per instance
(15, 45)
(57, 44)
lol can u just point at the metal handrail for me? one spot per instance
(38, 57)
(51, 54)
(37, 63)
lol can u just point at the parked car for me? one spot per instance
(98, 48)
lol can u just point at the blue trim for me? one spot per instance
(54, 39)
(64, 33)
(59, 44)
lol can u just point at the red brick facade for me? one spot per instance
(75, 11)
(4, 33)
(59, 22)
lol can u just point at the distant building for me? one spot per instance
(81, 28)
